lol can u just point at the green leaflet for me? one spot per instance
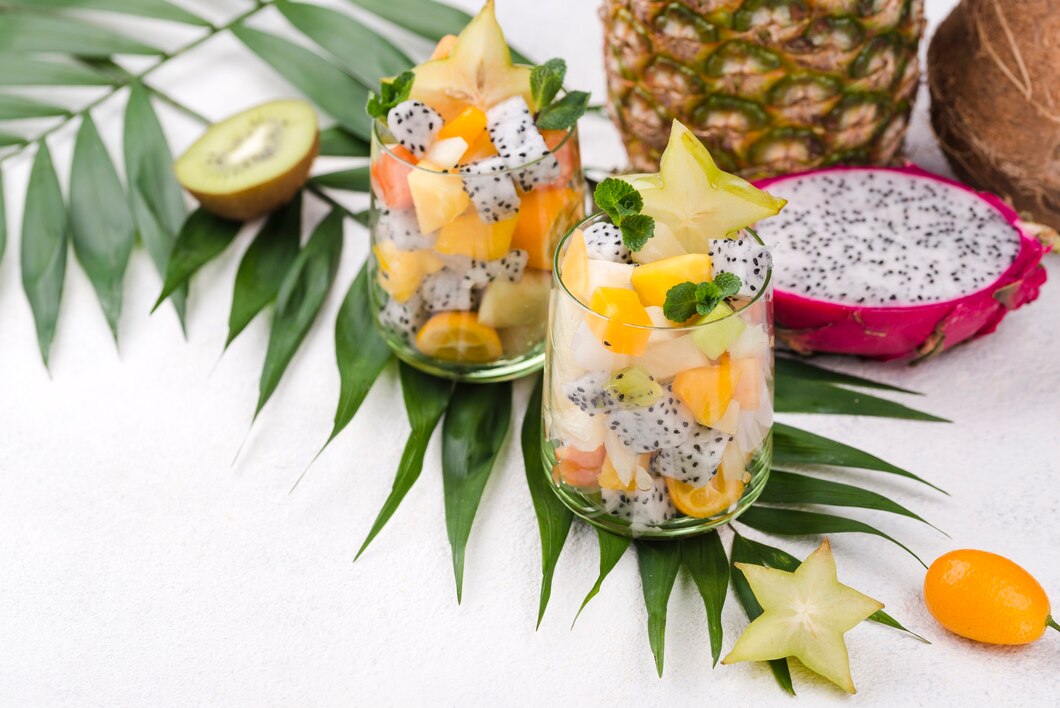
(704, 558)
(659, 562)
(101, 225)
(426, 398)
(792, 446)
(353, 180)
(202, 238)
(743, 553)
(359, 350)
(18, 108)
(263, 266)
(27, 71)
(7, 140)
(329, 87)
(426, 18)
(474, 432)
(791, 488)
(299, 299)
(778, 558)
(158, 9)
(155, 197)
(794, 395)
(790, 368)
(795, 522)
(362, 52)
(3, 219)
(34, 33)
(44, 241)
(612, 548)
(553, 517)
(336, 142)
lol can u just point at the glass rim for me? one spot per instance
(377, 124)
(767, 286)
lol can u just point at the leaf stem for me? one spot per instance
(1050, 622)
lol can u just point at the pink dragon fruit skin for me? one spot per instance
(909, 332)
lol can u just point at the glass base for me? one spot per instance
(487, 372)
(587, 506)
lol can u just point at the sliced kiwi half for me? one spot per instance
(253, 162)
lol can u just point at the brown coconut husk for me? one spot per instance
(994, 76)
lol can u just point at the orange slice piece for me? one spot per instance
(459, 337)
(622, 308)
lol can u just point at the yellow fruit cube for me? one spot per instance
(653, 280)
(401, 272)
(706, 391)
(621, 308)
(438, 196)
(468, 235)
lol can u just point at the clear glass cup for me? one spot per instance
(468, 300)
(632, 454)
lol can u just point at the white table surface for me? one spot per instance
(137, 567)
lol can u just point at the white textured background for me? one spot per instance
(138, 568)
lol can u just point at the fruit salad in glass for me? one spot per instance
(475, 175)
(658, 401)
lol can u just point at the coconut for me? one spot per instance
(995, 100)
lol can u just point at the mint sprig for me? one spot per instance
(687, 299)
(391, 93)
(623, 203)
(546, 81)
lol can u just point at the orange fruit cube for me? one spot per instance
(706, 391)
(468, 235)
(544, 215)
(459, 337)
(621, 308)
(574, 267)
(746, 381)
(469, 124)
(653, 280)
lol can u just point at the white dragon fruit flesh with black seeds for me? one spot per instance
(401, 227)
(404, 318)
(743, 257)
(589, 393)
(446, 291)
(666, 423)
(520, 144)
(414, 125)
(603, 242)
(894, 263)
(491, 189)
(694, 461)
(642, 508)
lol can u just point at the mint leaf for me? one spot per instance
(546, 80)
(680, 302)
(636, 230)
(708, 295)
(390, 94)
(564, 113)
(728, 284)
(618, 199)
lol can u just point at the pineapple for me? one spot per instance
(770, 86)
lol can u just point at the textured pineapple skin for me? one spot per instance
(770, 86)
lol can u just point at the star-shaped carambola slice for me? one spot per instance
(478, 71)
(699, 201)
(805, 615)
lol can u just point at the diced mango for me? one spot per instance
(608, 478)
(438, 196)
(574, 268)
(653, 280)
(706, 391)
(470, 125)
(544, 215)
(621, 308)
(468, 235)
(401, 272)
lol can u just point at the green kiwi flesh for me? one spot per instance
(253, 162)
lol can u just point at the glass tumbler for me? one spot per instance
(459, 293)
(665, 432)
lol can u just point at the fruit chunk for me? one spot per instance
(401, 272)
(662, 245)
(699, 502)
(715, 339)
(445, 154)
(747, 380)
(706, 391)
(469, 125)
(986, 597)
(543, 215)
(390, 174)
(568, 155)
(805, 615)
(621, 308)
(574, 268)
(697, 200)
(653, 280)
(609, 479)
(477, 71)
(633, 387)
(458, 337)
(444, 47)
(439, 197)
(253, 162)
(468, 235)
(508, 304)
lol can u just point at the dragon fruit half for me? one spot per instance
(894, 263)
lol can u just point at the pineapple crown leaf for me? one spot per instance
(391, 93)
(687, 299)
(623, 203)
(546, 81)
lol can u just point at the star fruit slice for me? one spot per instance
(477, 72)
(696, 199)
(804, 615)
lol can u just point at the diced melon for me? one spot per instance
(653, 280)
(401, 272)
(714, 339)
(521, 339)
(666, 359)
(468, 235)
(748, 382)
(752, 342)
(730, 421)
(706, 391)
(508, 304)
(438, 196)
(621, 308)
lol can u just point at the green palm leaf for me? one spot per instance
(612, 548)
(203, 237)
(704, 558)
(3, 219)
(19, 108)
(7, 140)
(789, 368)
(352, 180)
(31, 33)
(157, 9)
(26, 71)
(336, 142)
(659, 562)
